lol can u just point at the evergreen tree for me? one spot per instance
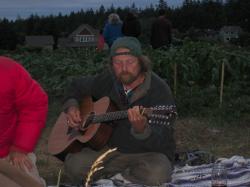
(162, 4)
(201, 14)
(8, 37)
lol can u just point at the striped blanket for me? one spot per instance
(238, 172)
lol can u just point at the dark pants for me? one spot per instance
(142, 168)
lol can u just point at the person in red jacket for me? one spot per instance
(100, 42)
(23, 111)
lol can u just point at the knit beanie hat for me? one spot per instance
(127, 42)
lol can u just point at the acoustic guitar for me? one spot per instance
(96, 127)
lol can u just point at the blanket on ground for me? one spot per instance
(238, 172)
(238, 169)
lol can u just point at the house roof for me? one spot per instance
(84, 29)
(39, 41)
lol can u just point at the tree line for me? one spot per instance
(201, 14)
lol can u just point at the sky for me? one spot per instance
(11, 9)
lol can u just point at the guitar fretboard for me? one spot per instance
(110, 116)
(155, 115)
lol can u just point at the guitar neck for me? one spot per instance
(159, 113)
(110, 116)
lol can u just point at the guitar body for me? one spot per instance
(64, 139)
(93, 132)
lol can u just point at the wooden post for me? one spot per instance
(222, 82)
(175, 78)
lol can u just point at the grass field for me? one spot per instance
(214, 136)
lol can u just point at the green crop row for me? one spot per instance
(193, 71)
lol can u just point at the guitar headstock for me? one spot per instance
(162, 114)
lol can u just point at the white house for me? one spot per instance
(83, 36)
(227, 33)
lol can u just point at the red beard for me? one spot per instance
(127, 78)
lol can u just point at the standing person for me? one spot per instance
(112, 29)
(131, 25)
(101, 41)
(145, 150)
(161, 34)
(23, 110)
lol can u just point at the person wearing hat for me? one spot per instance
(23, 110)
(145, 149)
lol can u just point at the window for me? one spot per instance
(86, 38)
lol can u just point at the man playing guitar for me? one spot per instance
(145, 145)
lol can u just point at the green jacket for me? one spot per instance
(153, 92)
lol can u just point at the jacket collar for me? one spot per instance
(142, 89)
(124, 100)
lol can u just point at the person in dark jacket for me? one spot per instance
(161, 31)
(145, 143)
(131, 25)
